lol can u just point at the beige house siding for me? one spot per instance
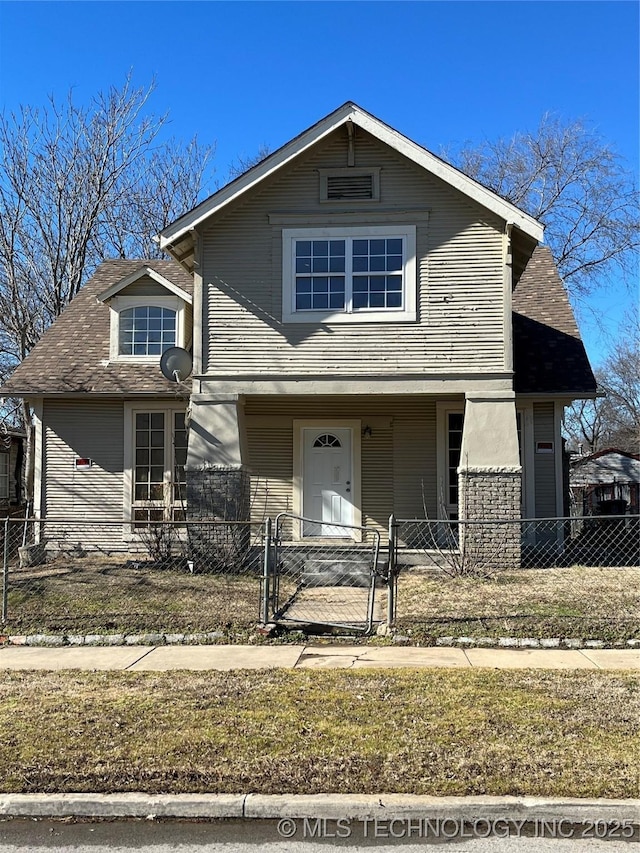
(88, 430)
(144, 286)
(398, 459)
(460, 262)
(544, 463)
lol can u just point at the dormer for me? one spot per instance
(148, 315)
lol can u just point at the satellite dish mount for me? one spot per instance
(176, 364)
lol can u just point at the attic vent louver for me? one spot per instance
(349, 186)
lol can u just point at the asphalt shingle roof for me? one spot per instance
(73, 354)
(548, 355)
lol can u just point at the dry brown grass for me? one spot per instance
(429, 732)
(96, 594)
(528, 602)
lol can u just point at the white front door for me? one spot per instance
(327, 480)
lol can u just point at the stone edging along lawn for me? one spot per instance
(219, 637)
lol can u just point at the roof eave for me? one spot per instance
(350, 112)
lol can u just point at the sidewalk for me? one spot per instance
(219, 657)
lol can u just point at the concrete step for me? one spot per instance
(353, 572)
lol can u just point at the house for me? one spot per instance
(605, 483)
(372, 332)
(11, 471)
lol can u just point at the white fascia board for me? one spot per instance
(245, 182)
(141, 273)
(452, 176)
(405, 146)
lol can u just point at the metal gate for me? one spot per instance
(326, 580)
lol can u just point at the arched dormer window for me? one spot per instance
(148, 315)
(143, 327)
(146, 330)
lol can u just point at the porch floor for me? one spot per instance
(334, 605)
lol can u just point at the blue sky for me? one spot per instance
(247, 73)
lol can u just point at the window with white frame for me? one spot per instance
(143, 328)
(364, 274)
(146, 330)
(4, 476)
(159, 456)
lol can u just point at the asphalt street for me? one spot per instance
(250, 836)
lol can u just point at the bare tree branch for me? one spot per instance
(568, 177)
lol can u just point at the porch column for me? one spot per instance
(490, 478)
(216, 472)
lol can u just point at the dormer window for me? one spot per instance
(149, 315)
(143, 327)
(146, 330)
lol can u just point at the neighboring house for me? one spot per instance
(372, 332)
(11, 470)
(605, 483)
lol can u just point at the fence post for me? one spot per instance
(265, 571)
(391, 571)
(5, 571)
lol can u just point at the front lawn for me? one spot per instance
(438, 732)
(97, 594)
(581, 602)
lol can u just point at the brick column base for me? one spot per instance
(218, 495)
(489, 495)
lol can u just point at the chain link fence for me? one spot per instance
(217, 580)
(68, 576)
(559, 577)
(325, 574)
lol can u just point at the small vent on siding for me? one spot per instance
(350, 184)
(340, 187)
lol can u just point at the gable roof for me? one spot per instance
(175, 238)
(606, 466)
(73, 354)
(548, 354)
(145, 271)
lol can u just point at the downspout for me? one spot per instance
(508, 297)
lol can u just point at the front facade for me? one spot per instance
(372, 333)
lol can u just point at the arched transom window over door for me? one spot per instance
(327, 440)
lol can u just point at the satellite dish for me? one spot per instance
(176, 364)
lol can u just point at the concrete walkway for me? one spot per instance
(219, 657)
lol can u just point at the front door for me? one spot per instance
(327, 480)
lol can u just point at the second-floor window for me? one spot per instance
(143, 327)
(146, 330)
(349, 274)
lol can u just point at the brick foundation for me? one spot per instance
(485, 495)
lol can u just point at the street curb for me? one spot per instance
(357, 807)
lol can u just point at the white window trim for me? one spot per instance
(388, 315)
(122, 303)
(131, 409)
(527, 500)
